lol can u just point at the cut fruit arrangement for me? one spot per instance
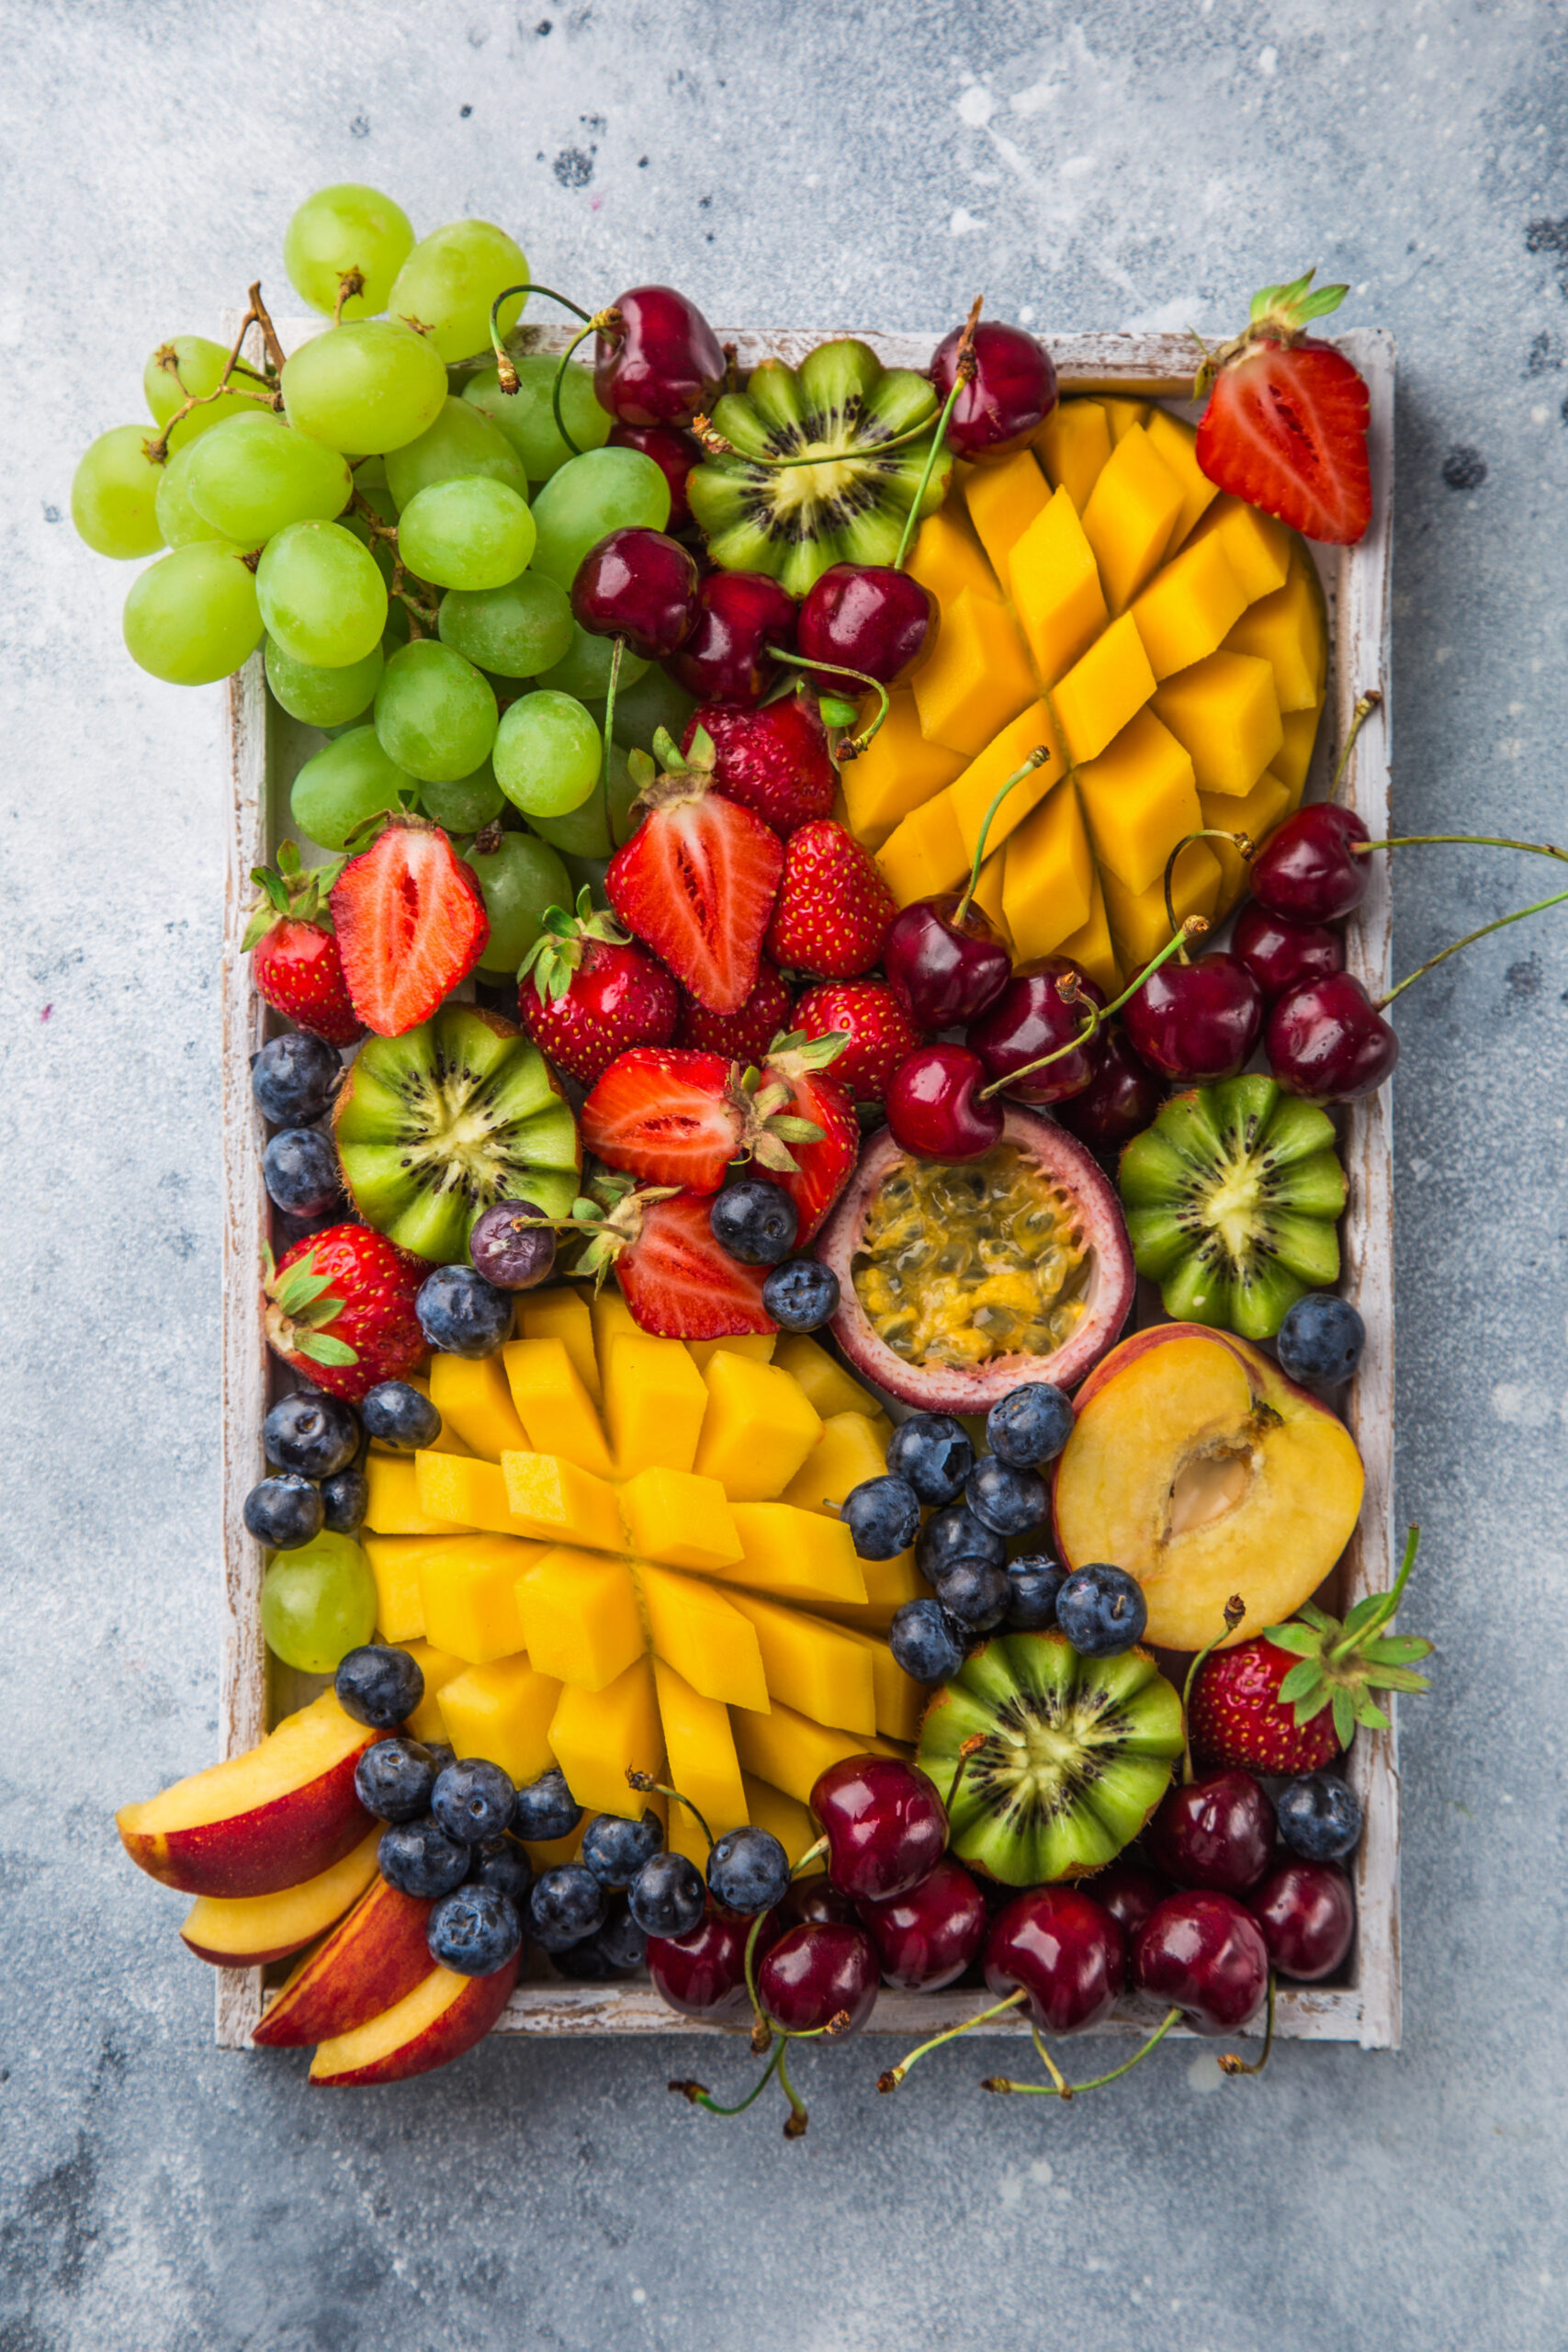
(760, 837)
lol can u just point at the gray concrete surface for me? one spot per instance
(1135, 161)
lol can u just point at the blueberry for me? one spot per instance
(419, 1858)
(462, 1314)
(501, 1863)
(508, 1250)
(802, 1295)
(754, 1222)
(346, 1499)
(615, 1849)
(1321, 1339)
(295, 1078)
(545, 1809)
(301, 1171)
(398, 1415)
(474, 1801)
(1101, 1610)
(925, 1641)
(1319, 1816)
(621, 1940)
(933, 1452)
(475, 1930)
(283, 1512)
(748, 1871)
(565, 1906)
(380, 1686)
(1028, 1425)
(1035, 1582)
(667, 1897)
(442, 1754)
(394, 1779)
(883, 1516)
(956, 1534)
(311, 1432)
(975, 1594)
(1008, 1501)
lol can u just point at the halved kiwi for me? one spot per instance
(1076, 1754)
(1232, 1198)
(432, 1126)
(840, 405)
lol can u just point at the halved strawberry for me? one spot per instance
(1286, 423)
(672, 1116)
(698, 878)
(797, 1072)
(411, 923)
(679, 1283)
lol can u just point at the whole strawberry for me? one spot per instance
(880, 1033)
(1286, 423)
(742, 1037)
(773, 761)
(800, 1081)
(587, 994)
(1237, 1720)
(341, 1309)
(833, 909)
(295, 964)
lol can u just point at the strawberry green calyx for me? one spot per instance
(767, 1128)
(290, 892)
(299, 1304)
(1341, 1666)
(559, 951)
(1279, 314)
(608, 1217)
(673, 776)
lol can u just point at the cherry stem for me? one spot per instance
(810, 1855)
(963, 373)
(1389, 1609)
(1241, 841)
(971, 1747)
(1037, 759)
(1071, 2091)
(645, 1783)
(1064, 2088)
(256, 315)
(617, 646)
(894, 2075)
(505, 367)
(698, 2096)
(559, 379)
(851, 746)
(1235, 1609)
(794, 2127)
(1475, 840)
(761, 2025)
(1365, 706)
(1231, 2065)
(1097, 1014)
(1469, 940)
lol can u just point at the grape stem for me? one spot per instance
(1097, 1014)
(505, 367)
(415, 607)
(271, 397)
(351, 283)
(964, 373)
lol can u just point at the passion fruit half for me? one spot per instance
(961, 1280)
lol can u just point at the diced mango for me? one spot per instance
(470, 1597)
(984, 777)
(555, 1500)
(1047, 890)
(613, 1319)
(654, 1401)
(395, 1563)
(1055, 588)
(461, 1493)
(947, 557)
(795, 1554)
(1224, 712)
(557, 1414)
(1138, 923)
(470, 1394)
(705, 1635)
(1104, 690)
(1187, 606)
(1092, 948)
(1266, 806)
(704, 1766)
(924, 852)
(812, 1666)
(790, 1752)
(1139, 798)
(889, 1585)
(830, 1388)
(396, 1507)
(758, 1430)
(897, 770)
(1073, 445)
(1292, 763)
(578, 1616)
(899, 1702)
(1121, 415)
(1257, 549)
(439, 1668)
(847, 1451)
(563, 1315)
(757, 1347)
(595, 1736)
(1129, 517)
(784, 1818)
(1176, 444)
(502, 1712)
(989, 891)
(679, 1518)
(1289, 631)
(1003, 500)
(977, 678)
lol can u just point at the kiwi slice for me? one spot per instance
(842, 407)
(432, 1126)
(1075, 1754)
(1232, 1198)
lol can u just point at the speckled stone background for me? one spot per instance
(1129, 162)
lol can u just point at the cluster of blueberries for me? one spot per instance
(454, 1828)
(320, 1443)
(756, 1223)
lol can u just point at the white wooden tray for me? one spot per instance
(264, 751)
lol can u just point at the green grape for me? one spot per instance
(458, 444)
(337, 790)
(113, 495)
(548, 754)
(602, 823)
(641, 709)
(321, 595)
(251, 476)
(520, 881)
(584, 669)
(188, 366)
(449, 281)
(474, 534)
(367, 387)
(193, 616)
(177, 518)
(318, 1603)
(342, 228)
(463, 807)
(527, 415)
(516, 632)
(435, 714)
(322, 697)
(603, 491)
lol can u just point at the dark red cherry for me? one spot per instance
(1327, 1040)
(1216, 1832)
(1120, 1100)
(1012, 393)
(1129, 1892)
(934, 1108)
(942, 970)
(867, 616)
(740, 615)
(1197, 1020)
(1307, 869)
(1065, 1950)
(703, 1975)
(638, 584)
(814, 1899)
(673, 452)
(927, 1938)
(1033, 1017)
(1281, 954)
(660, 364)
(1307, 1915)
(885, 1824)
(816, 1972)
(1205, 1956)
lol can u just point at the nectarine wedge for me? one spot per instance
(437, 2021)
(366, 1965)
(1196, 1465)
(243, 1932)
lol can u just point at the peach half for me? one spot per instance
(429, 2027)
(245, 1930)
(368, 1963)
(1196, 1465)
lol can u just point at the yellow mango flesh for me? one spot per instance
(1139, 798)
(701, 1751)
(1073, 446)
(1188, 607)
(812, 1666)
(470, 1597)
(596, 1735)
(563, 1315)
(947, 557)
(1139, 926)
(395, 1564)
(757, 1347)
(578, 1616)
(1292, 761)
(1176, 446)
(1047, 889)
(1130, 516)
(705, 1636)
(791, 1752)
(981, 781)
(552, 1498)
(897, 771)
(439, 1668)
(823, 1379)
(848, 1450)
(924, 855)
(469, 1493)
(784, 1818)
(977, 678)
(1288, 631)
(502, 1712)
(1092, 948)
(795, 1554)
(1225, 714)
(1104, 690)
(557, 1414)
(1256, 548)
(679, 1518)
(1266, 806)
(654, 1402)
(758, 1430)
(396, 1506)
(471, 1396)
(1003, 500)
(1122, 413)
(1055, 588)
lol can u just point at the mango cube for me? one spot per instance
(1055, 588)
(1003, 500)
(897, 771)
(813, 1666)
(757, 1347)
(758, 1431)
(596, 1735)
(502, 1712)
(612, 1319)
(1129, 515)
(1224, 712)
(578, 1616)
(790, 1752)
(1188, 607)
(557, 1413)
(1047, 889)
(679, 1518)
(563, 1315)
(1073, 446)
(898, 1702)
(705, 1635)
(395, 1563)
(947, 557)
(1139, 798)
(1292, 763)
(829, 1387)
(704, 1766)
(924, 853)
(1092, 949)
(439, 1668)
(455, 1492)
(396, 1506)
(889, 1585)
(1176, 444)
(977, 678)
(551, 1497)
(471, 1397)
(1138, 923)
(1104, 690)
(848, 1450)
(470, 1597)
(1123, 413)
(654, 1402)
(1256, 548)
(1289, 631)
(978, 787)
(1266, 806)
(795, 1554)
(782, 1817)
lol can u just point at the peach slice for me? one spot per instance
(1195, 1464)
(243, 1932)
(371, 1961)
(265, 1820)
(437, 2021)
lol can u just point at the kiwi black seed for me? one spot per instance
(432, 1126)
(795, 521)
(1232, 1197)
(1075, 1754)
